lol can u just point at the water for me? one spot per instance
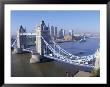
(87, 48)
(20, 66)
(80, 48)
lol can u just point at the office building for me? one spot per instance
(52, 31)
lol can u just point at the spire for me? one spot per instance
(21, 27)
(42, 20)
(43, 24)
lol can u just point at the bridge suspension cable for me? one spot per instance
(66, 56)
(14, 43)
(71, 55)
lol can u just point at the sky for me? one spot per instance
(79, 21)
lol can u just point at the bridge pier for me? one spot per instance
(35, 58)
(18, 50)
(97, 61)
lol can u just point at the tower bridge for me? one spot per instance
(45, 49)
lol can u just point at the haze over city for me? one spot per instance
(79, 21)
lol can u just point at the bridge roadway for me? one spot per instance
(27, 33)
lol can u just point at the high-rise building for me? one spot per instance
(49, 29)
(71, 33)
(52, 31)
(55, 34)
(61, 34)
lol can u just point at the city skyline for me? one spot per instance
(79, 21)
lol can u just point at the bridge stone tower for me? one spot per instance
(42, 31)
(21, 40)
(97, 62)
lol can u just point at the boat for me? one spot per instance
(59, 41)
(81, 52)
(83, 39)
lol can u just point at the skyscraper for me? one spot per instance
(61, 34)
(49, 29)
(71, 33)
(55, 34)
(52, 31)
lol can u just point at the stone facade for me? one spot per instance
(21, 40)
(38, 40)
(43, 31)
(97, 61)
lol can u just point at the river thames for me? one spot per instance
(21, 66)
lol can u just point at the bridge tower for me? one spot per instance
(97, 61)
(21, 40)
(42, 31)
